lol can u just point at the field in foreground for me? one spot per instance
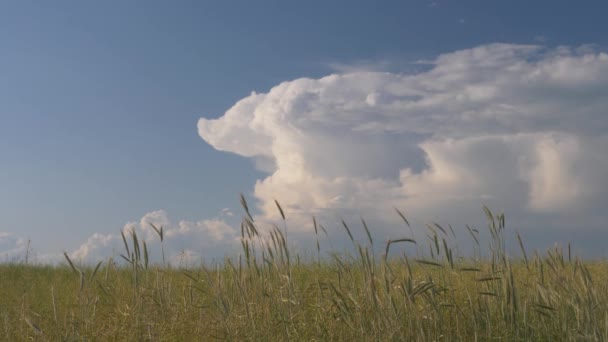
(267, 294)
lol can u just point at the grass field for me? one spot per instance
(269, 294)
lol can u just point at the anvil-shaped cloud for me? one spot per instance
(521, 127)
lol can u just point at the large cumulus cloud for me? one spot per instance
(520, 127)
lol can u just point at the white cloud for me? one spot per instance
(183, 242)
(227, 212)
(12, 248)
(521, 127)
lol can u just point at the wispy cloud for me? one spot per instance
(227, 212)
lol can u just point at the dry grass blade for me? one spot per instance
(428, 262)
(127, 259)
(501, 221)
(145, 254)
(422, 288)
(369, 236)
(74, 268)
(189, 275)
(390, 242)
(348, 231)
(488, 279)
(402, 217)
(124, 240)
(488, 213)
(323, 229)
(81, 281)
(472, 232)
(136, 247)
(403, 240)
(95, 270)
(545, 307)
(251, 229)
(452, 230)
(523, 250)
(33, 326)
(280, 209)
(158, 231)
(542, 313)
(440, 228)
(405, 220)
(429, 227)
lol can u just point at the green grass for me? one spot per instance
(268, 294)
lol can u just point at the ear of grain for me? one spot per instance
(523, 250)
(280, 209)
(350, 235)
(246, 207)
(369, 236)
(74, 268)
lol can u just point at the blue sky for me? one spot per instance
(99, 101)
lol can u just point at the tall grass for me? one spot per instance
(268, 293)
